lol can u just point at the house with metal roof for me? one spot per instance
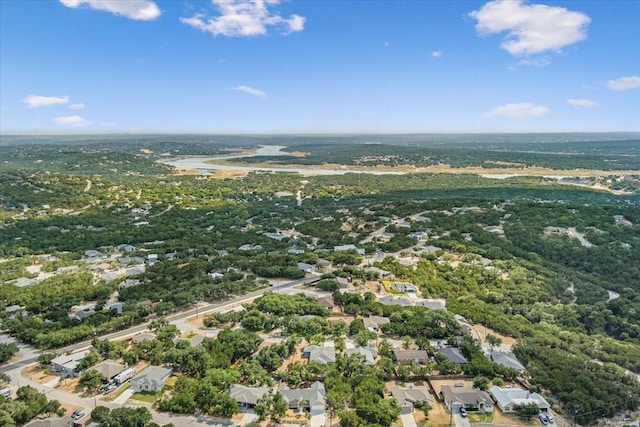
(66, 364)
(508, 399)
(453, 354)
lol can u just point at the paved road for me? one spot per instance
(31, 354)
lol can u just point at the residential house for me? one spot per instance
(409, 357)
(506, 359)
(295, 251)
(115, 307)
(380, 272)
(343, 282)
(349, 247)
(322, 355)
(410, 395)
(453, 354)
(128, 283)
(307, 268)
(508, 398)
(431, 249)
(250, 247)
(419, 235)
(66, 364)
(194, 341)
(152, 259)
(50, 422)
(151, 380)
(323, 263)
(311, 399)
(108, 369)
(433, 304)
(374, 323)
(247, 397)
(369, 354)
(126, 248)
(274, 236)
(145, 336)
(403, 287)
(470, 399)
(134, 260)
(391, 300)
(327, 302)
(79, 312)
(467, 329)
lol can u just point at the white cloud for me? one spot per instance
(624, 83)
(436, 53)
(251, 91)
(238, 18)
(76, 121)
(77, 106)
(532, 28)
(586, 103)
(141, 10)
(35, 101)
(535, 62)
(518, 111)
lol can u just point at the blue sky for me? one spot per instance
(254, 66)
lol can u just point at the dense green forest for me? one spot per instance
(552, 265)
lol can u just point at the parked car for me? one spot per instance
(77, 414)
(463, 412)
(543, 419)
(550, 419)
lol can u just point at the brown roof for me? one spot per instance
(468, 396)
(402, 355)
(108, 368)
(50, 422)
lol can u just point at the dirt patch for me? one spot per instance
(501, 418)
(438, 416)
(38, 374)
(437, 384)
(483, 331)
(197, 321)
(71, 385)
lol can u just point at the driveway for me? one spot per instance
(124, 396)
(408, 420)
(461, 421)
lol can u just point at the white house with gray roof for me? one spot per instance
(506, 359)
(369, 354)
(247, 397)
(322, 355)
(66, 364)
(151, 380)
(508, 399)
(312, 398)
